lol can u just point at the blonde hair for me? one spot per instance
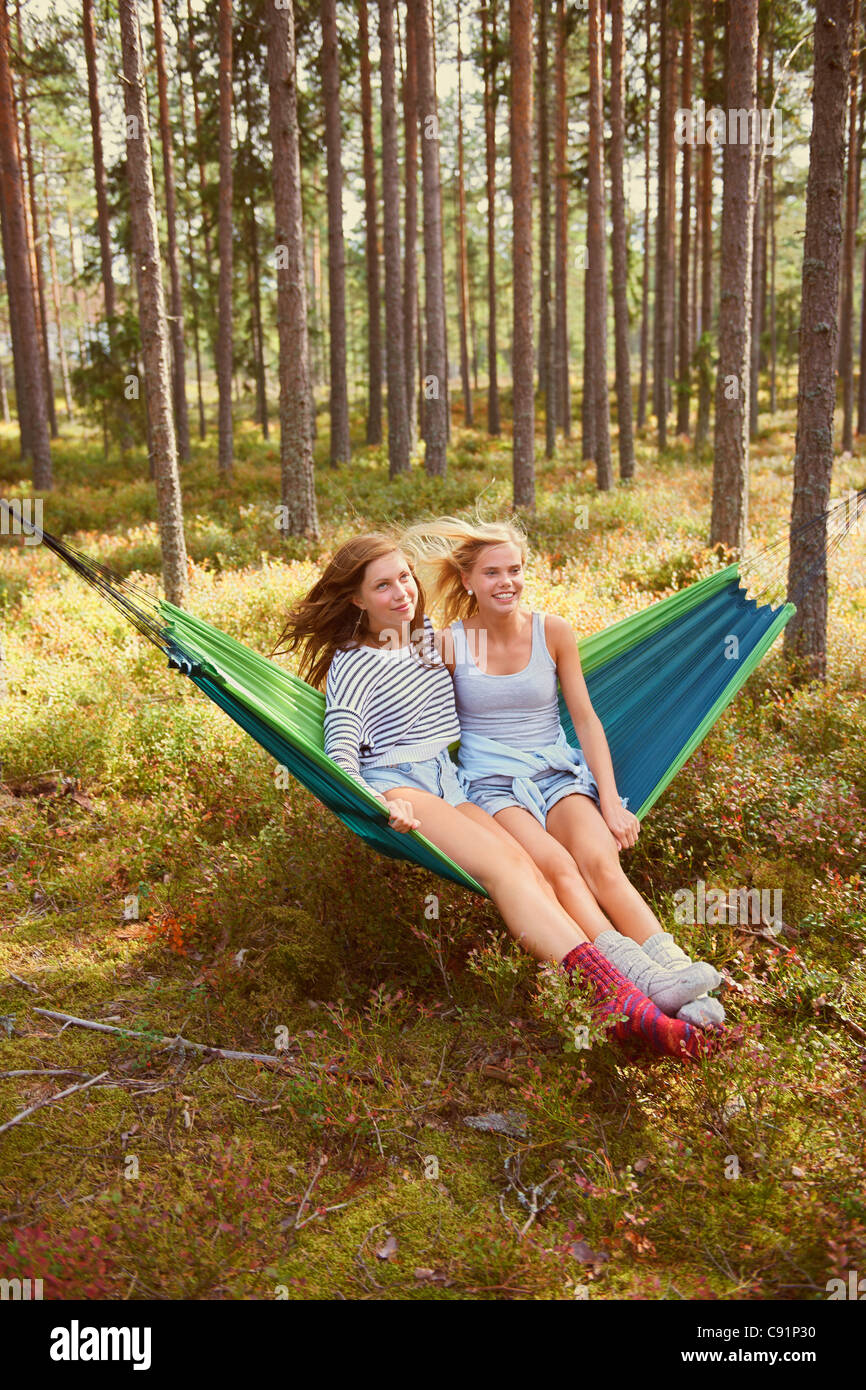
(440, 549)
(326, 621)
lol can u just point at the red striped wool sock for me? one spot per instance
(615, 994)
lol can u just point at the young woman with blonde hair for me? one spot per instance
(390, 716)
(560, 802)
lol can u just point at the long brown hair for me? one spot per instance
(446, 545)
(327, 621)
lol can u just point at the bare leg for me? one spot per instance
(577, 823)
(558, 868)
(468, 836)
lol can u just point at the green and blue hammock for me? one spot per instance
(658, 681)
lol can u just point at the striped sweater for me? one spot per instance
(386, 707)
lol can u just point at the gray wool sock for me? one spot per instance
(664, 950)
(703, 1012)
(668, 989)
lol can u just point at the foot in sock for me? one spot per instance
(669, 989)
(703, 1011)
(616, 995)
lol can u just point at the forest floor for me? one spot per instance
(350, 1171)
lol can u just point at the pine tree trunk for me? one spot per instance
(620, 249)
(224, 352)
(846, 321)
(587, 413)
(255, 293)
(371, 232)
(489, 40)
(4, 397)
(729, 522)
(446, 379)
(462, 259)
(522, 363)
(412, 370)
(98, 165)
(340, 449)
(298, 493)
(546, 368)
(705, 385)
(29, 381)
(154, 331)
(398, 418)
(596, 254)
(436, 366)
(660, 347)
(55, 297)
(757, 261)
(806, 633)
(199, 141)
(36, 247)
(684, 394)
(181, 414)
(191, 266)
(643, 391)
(563, 387)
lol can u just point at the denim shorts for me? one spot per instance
(495, 794)
(437, 775)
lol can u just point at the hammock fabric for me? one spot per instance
(658, 681)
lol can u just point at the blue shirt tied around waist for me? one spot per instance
(523, 706)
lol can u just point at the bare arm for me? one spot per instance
(588, 728)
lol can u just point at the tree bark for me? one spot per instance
(181, 413)
(491, 64)
(846, 323)
(154, 332)
(412, 368)
(340, 449)
(662, 275)
(55, 296)
(199, 142)
(729, 521)
(596, 256)
(29, 381)
(705, 384)
(191, 265)
(643, 391)
(522, 364)
(563, 387)
(757, 266)
(462, 265)
(36, 246)
(398, 418)
(546, 368)
(436, 365)
(224, 352)
(371, 233)
(806, 633)
(684, 390)
(296, 445)
(618, 239)
(102, 221)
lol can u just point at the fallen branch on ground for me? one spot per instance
(61, 1095)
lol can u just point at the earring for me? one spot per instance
(469, 591)
(361, 613)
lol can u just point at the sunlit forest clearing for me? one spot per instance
(258, 912)
(276, 276)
